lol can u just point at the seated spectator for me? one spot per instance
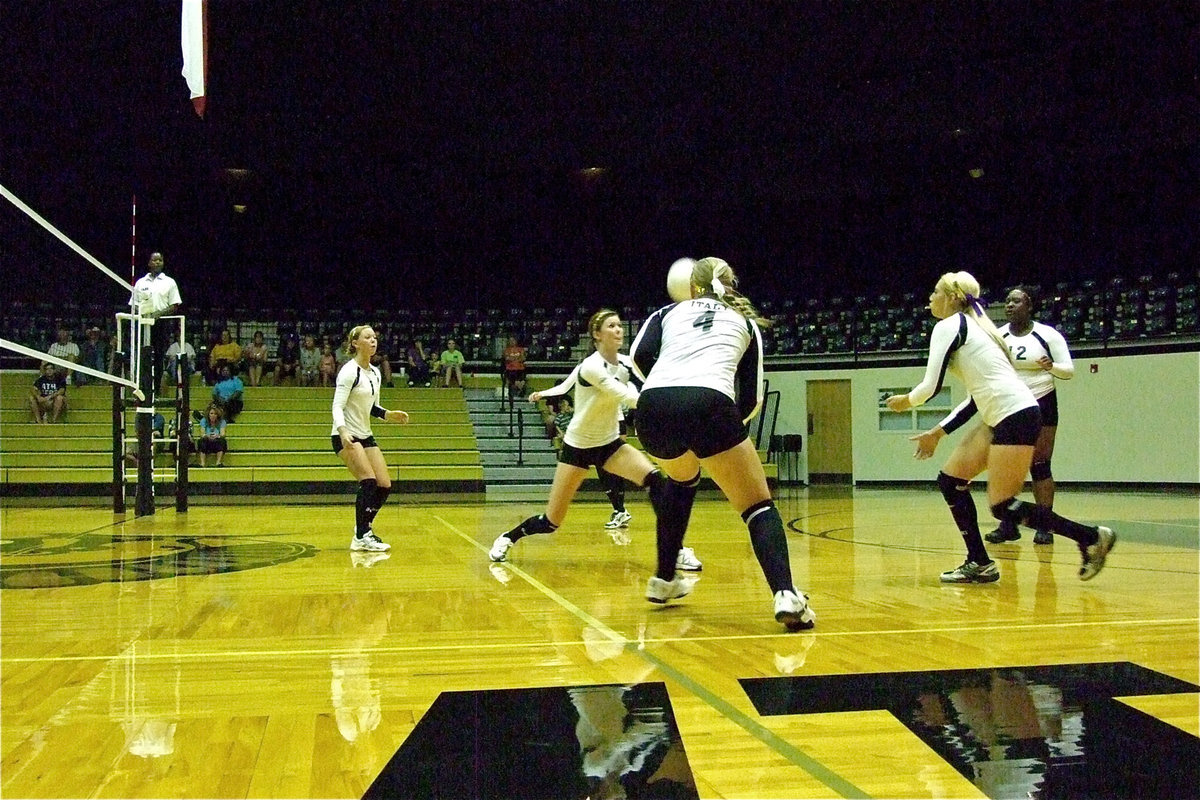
(328, 366)
(226, 353)
(67, 350)
(417, 364)
(173, 353)
(93, 353)
(287, 363)
(227, 393)
(212, 436)
(310, 362)
(451, 362)
(255, 358)
(514, 368)
(48, 397)
(383, 362)
(116, 358)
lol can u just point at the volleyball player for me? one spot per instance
(1040, 354)
(355, 401)
(593, 438)
(966, 343)
(702, 362)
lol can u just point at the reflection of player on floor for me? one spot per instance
(593, 437)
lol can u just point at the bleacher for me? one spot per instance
(280, 445)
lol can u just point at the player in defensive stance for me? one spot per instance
(702, 362)
(593, 438)
(966, 343)
(355, 401)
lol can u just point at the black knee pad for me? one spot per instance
(952, 488)
(1040, 470)
(1009, 510)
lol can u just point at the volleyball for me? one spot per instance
(679, 280)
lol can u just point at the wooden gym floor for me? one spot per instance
(244, 651)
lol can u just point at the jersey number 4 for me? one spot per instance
(705, 320)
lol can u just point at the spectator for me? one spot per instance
(417, 364)
(255, 358)
(226, 353)
(451, 363)
(212, 435)
(116, 359)
(48, 397)
(93, 353)
(156, 295)
(287, 363)
(228, 393)
(329, 365)
(310, 362)
(173, 353)
(382, 362)
(514, 368)
(67, 350)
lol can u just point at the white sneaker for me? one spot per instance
(687, 560)
(619, 519)
(366, 560)
(793, 611)
(369, 542)
(660, 591)
(499, 551)
(1094, 555)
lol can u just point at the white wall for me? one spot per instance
(1135, 419)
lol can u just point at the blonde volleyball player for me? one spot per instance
(593, 437)
(355, 401)
(966, 343)
(702, 362)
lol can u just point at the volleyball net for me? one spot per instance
(139, 380)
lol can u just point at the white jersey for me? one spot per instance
(1042, 341)
(601, 389)
(356, 393)
(702, 342)
(154, 293)
(960, 346)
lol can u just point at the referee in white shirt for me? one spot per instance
(155, 295)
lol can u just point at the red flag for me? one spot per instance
(194, 38)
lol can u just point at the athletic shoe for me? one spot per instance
(1043, 537)
(1005, 533)
(619, 519)
(1094, 554)
(499, 551)
(369, 542)
(970, 572)
(660, 591)
(793, 611)
(366, 560)
(687, 560)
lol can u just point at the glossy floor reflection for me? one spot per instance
(578, 742)
(1034, 731)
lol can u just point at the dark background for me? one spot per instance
(431, 154)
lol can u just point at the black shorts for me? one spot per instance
(588, 456)
(1049, 406)
(1019, 428)
(337, 442)
(673, 420)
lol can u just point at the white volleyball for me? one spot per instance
(679, 280)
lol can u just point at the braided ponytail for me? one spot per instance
(964, 290)
(715, 278)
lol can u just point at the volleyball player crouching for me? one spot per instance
(701, 359)
(355, 401)
(593, 438)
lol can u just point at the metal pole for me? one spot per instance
(183, 428)
(118, 453)
(144, 497)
